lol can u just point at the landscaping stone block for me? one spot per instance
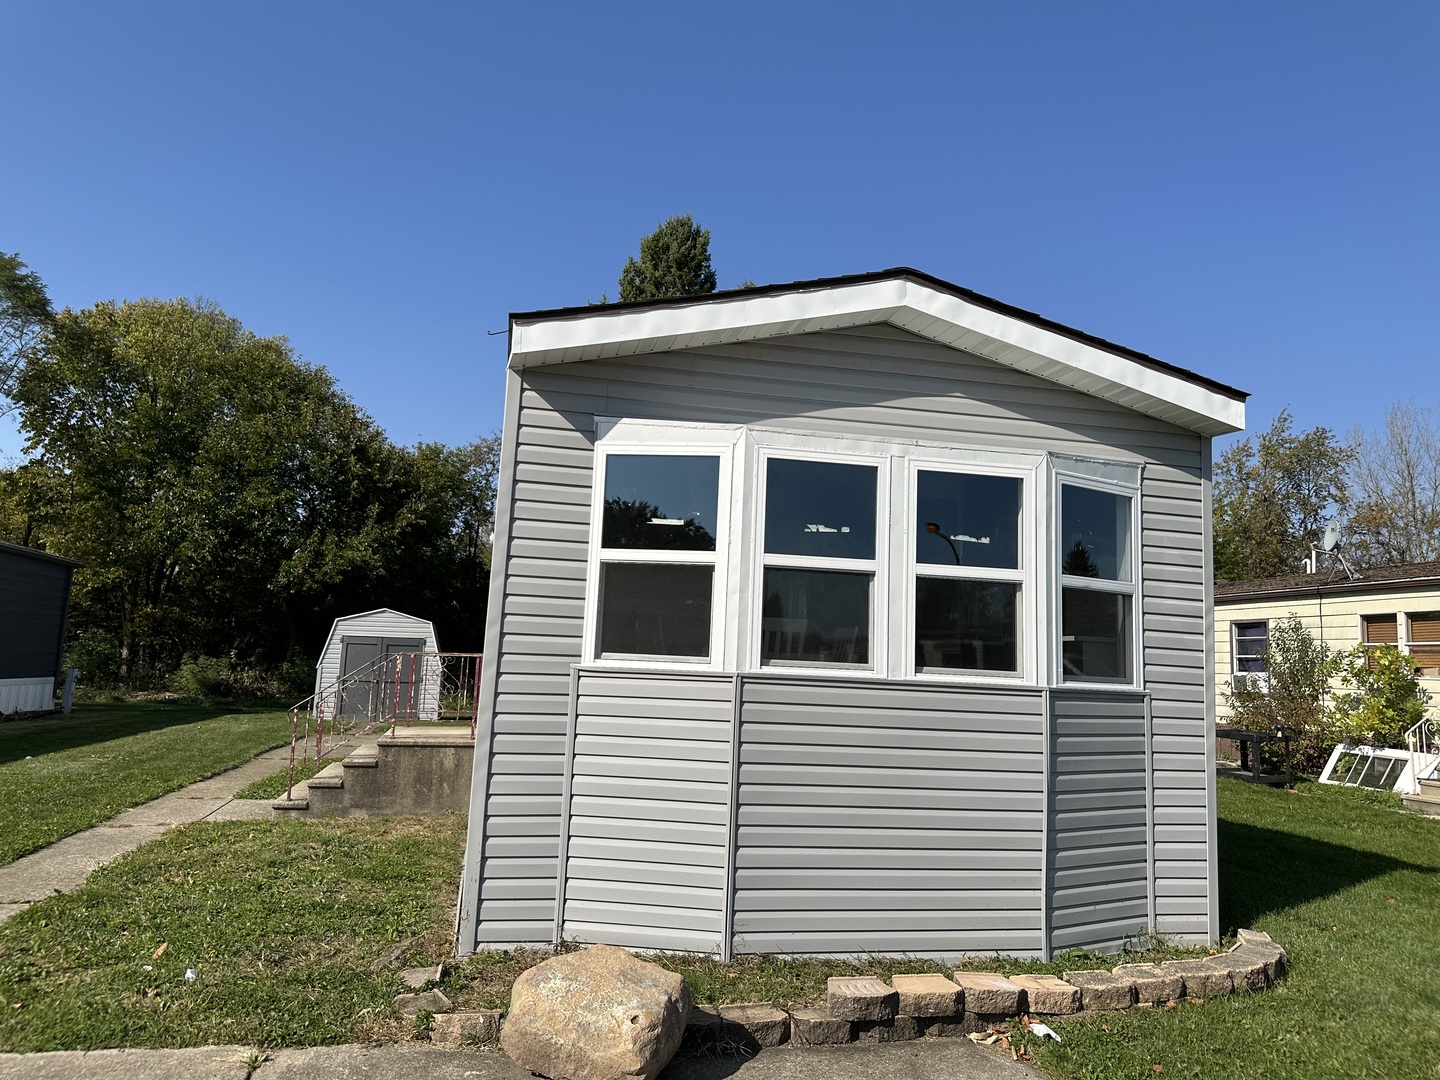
(1152, 984)
(416, 978)
(816, 1027)
(1248, 968)
(928, 995)
(1254, 937)
(1047, 995)
(1102, 990)
(988, 993)
(900, 1028)
(1270, 957)
(860, 998)
(478, 1028)
(755, 1025)
(949, 1027)
(1202, 978)
(430, 1001)
(704, 1026)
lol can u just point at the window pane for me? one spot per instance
(820, 508)
(1095, 629)
(819, 615)
(1094, 534)
(966, 625)
(967, 520)
(655, 610)
(1251, 642)
(663, 501)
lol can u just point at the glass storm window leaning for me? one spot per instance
(1097, 584)
(658, 542)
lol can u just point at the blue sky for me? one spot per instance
(1248, 190)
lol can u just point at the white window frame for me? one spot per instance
(769, 447)
(1029, 605)
(664, 439)
(1133, 588)
(1237, 676)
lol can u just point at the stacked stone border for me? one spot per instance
(863, 1009)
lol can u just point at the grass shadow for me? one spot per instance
(1263, 871)
(91, 725)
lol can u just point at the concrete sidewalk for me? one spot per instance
(927, 1059)
(62, 866)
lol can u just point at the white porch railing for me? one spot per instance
(1424, 742)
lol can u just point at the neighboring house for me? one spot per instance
(34, 602)
(1386, 605)
(865, 614)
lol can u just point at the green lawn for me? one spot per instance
(280, 781)
(1350, 886)
(279, 920)
(61, 774)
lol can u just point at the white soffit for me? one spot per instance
(914, 306)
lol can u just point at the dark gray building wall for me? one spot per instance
(34, 601)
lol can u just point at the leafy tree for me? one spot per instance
(674, 261)
(1293, 693)
(1384, 699)
(1273, 498)
(25, 312)
(1395, 477)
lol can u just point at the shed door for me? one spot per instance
(391, 682)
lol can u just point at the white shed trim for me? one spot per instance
(378, 622)
(948, 317)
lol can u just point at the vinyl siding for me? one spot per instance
(874, 382)
(1099, 867)
(1176, 673)
(885, 817)
(648, 822)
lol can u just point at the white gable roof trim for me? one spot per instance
(916, 306)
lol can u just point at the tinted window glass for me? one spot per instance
(1095, 634)
(968, 520)
(655, 609)
(1094, 534)
(966, 625)
(816, 615)
(820, 508)
(660, 501)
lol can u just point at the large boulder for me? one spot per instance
(597, 1014)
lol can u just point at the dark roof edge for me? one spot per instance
(1363, 585)
(998, 306)
(36, 553)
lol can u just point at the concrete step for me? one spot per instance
(365, 756)
(1424, 803)
(332, 776)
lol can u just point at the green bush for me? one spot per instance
(1384, 699)
(1293, 693)
(203, 677)
(209, 677)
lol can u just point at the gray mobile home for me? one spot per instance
(34, 603)
(860, 614)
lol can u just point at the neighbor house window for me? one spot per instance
(1252, 641)
(658, 543)
(968, 574)
(1424, 640)
(819, 562)
(1097, 584)
(1377, 631)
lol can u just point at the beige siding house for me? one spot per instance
(1390, 605)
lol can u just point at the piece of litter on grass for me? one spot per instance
(1045, 1031)
(160, 951)
(189, 974)
(146, 967)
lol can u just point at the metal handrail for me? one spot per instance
(1423, 741)
(424, 674)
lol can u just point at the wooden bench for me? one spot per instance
(1250, 743)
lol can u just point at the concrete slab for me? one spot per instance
(243, 810)
(202, 1063)
(957, 1059)
(168, 810)
(7, 910)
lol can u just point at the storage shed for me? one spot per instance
(357, 643)
(34, 602)
(865, 614)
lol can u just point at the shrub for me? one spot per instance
(1384, 699)
(204, 677)
(1293, 694)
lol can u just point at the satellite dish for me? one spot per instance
(1332, 537)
